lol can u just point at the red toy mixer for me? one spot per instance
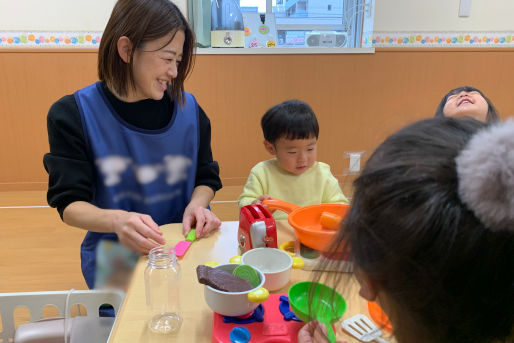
(257, 228)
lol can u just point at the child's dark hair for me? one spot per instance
(492, 113)
(443, 275)
(291, 119)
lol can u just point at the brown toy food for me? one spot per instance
(221, 280)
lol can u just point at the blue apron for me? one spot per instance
(146, 171)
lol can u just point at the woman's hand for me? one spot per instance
(137, 231)
(197, 215)
(203, 220)
(313, 332)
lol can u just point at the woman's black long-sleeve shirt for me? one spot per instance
(69, 167)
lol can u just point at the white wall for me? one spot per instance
(58, 15)
(442, 15)
(390, 15)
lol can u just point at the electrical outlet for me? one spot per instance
(354, 163)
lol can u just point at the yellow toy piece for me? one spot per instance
(211, 263)
(235, 259)
(298, 262)
(259, 295)
(288, 247)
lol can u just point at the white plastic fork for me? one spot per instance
(362, 328)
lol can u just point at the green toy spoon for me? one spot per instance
(311, 300)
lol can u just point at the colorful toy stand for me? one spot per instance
(272, 321)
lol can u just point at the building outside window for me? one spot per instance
(310, 23)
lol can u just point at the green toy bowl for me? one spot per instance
(316, 301)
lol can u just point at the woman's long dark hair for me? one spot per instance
(445, 277)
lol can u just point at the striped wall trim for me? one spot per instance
(82, 40)
(438, 39)
(47, 39)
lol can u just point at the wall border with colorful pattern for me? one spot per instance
(452, 39)
(27, 39)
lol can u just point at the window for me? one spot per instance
(298, 23)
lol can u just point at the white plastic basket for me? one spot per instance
(36, 301)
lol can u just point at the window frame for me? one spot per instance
(304, 27)
(354, 35)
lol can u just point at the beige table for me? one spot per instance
(197, 326)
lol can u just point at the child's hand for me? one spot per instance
(260, 199)
(313, 332)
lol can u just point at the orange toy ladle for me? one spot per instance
(314, 225)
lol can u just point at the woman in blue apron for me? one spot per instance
(132, 151)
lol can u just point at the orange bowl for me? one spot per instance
(307, 221)
(307, 224)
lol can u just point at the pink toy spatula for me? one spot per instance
(182, 246)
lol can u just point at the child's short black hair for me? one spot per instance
(291, 119)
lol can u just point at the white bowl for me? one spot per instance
(274, 263)
(231, 304)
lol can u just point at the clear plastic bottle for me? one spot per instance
(162, 276)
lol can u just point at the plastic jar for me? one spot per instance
(162, 276)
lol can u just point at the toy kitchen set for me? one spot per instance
(275, 317)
